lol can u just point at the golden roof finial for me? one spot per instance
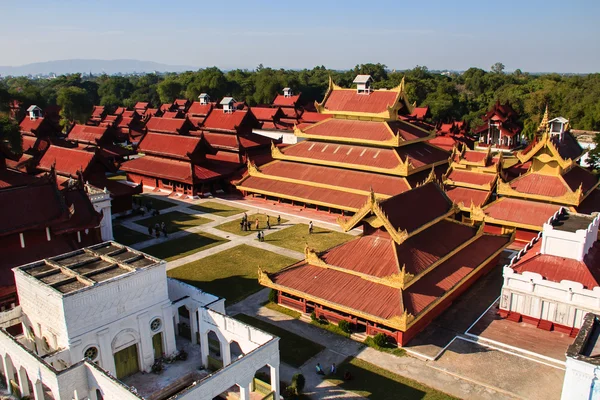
(544, 124)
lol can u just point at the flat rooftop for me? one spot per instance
(586, 346)
(71, 272)
(572, 222)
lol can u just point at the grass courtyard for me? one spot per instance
(233, 273)
(373, 382)
(293, 349)
(175, 220)
(234, 226)
(128, 236)
(296, 237)
(184, 246)
(215, 208)
(157, 204)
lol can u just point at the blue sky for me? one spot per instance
(560, 36)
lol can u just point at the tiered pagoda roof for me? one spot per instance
(505, 116)
(413, 255)
(471, 177)
(551, 180)
(449, 135)
(362, 141)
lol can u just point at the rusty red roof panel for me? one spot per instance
(97, 111)
(264, 113)
(467, 196)
(305, 193)
(223, 121)
(371, 254)
(591, 203)
(169, 145)
(539, 184)
(162, 168)
(31, 125)
(382, 184)
(10, 178)
(521, 211)
(408, 131)
(87, 133)
(283, 101)
(421, 154)
(474, 178)
(166, 125)
(344, 153)
(312, 116)
(349, 100)
(556, 269)
(67, 161)
(352, 129)
(577, 176)
(199, 110)
(449, 273)
(222, 140)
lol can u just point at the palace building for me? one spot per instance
(555, 280)
(94, 323)
(501, 129)
(412, 261)
(363, 145)
(453, 134)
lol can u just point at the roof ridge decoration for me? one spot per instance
(545, 142)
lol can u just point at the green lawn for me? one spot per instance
(212, 207)
(118, 177)
(234, 226)
(128, 236)
(373, 382)
(177, 248)
(283, 310)
(175, 220)
(232, 273)
(157, 203)
(293, 349)
(296, 237)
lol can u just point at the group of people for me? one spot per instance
(157, 229)
(333, 371)
(141, 208)
(246, 225)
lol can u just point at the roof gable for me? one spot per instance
(66, 161)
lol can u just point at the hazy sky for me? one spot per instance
(561, 36)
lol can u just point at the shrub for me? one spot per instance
(313, 316)
(380, 340)
(323, 320)
(273, 296)
(345, 326)
(298, 382)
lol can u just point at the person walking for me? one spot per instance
(319, 369)
(310, 227)
(150, 230)
(258, 236)
(333, 369)
(262, 236)
(279, 220)
(268, 224)
(257, 224)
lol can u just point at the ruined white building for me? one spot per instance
(555, 280)
(582, 376)
(92, 324)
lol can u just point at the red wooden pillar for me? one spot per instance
(304, 306)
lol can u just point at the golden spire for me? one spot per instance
(544, 124)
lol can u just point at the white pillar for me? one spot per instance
(169, 329)
(24, 382)
(194, 324)
(225, 352)
(92, 394)
(9, 372)
(275, 380)
(38, 390)
(145, 347)
(107, 359)
(244, 392)
(204, 348)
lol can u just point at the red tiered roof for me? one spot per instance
(475, 178)
(467, 196)
(283, 101)
(168, 125)
(520, 211)
(266, 113)
(556, 269)
(422, 154)
(352, 129)
(159, 167)
(312, 117)
(159, 144)
(66, 161)
(97, 112)
(173, 114)
(420, 112)
(382, 184)
(539, 184)
(349, 100)
(197, 109)
(141, 105)
(32, 127)
(10, 178)
(577, 176)
(88, 134)
(221, 121)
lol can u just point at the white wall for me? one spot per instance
(582, 381)
(287, 137)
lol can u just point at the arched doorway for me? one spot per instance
(125, 352)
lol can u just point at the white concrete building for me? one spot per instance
(101, 201)
(582, 375)
(555, 280)
(95, 322)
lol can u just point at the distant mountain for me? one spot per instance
(94, 66)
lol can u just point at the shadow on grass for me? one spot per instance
(174, 221)
(183, 246)
(233, 288)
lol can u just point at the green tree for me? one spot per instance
(75, 105)
(497, 68)
(10, 134)
(169, 90)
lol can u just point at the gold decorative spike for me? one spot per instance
(312, 258)
(544, 124)
(275, 152)
(477, 213)
(398, 280)
(402, 322)
(404, 166)
(252, 169)
(263, 278)
(431, 177)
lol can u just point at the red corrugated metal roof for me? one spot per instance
(222, 140)
(467, 196)
(420, 112)
(264, 113)
(197, 109)
(222, 121)
(68, 161)
(344, 178)
(306, 193)
(162, 168)
(311, 117)
(474, 156)
(422, 154)
(444, 142)
(344, 153)
(31, 125)
(556, 269)
(87, 134)
(10, 178)
(407, 131)
(167, 125)
(169, 145)
(351, 129)
(225, 156)
(173, 114)
(474, 178)
(371, 254)
(97, 111)
(349, 100)
(283, 101)
(141, 105)
(577, 176)
(253, 140)
(521, 211)
(539, 184)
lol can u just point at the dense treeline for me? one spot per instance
(465, 96)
